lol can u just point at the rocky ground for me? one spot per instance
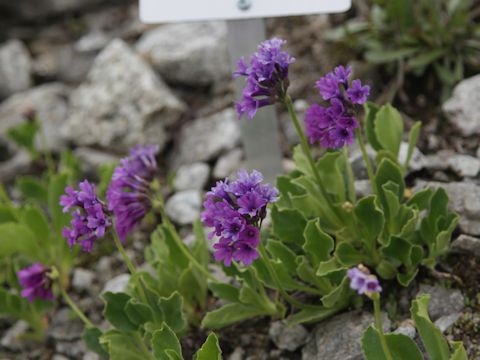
(101, 81)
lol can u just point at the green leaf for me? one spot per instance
(387, 56)
(18, 238)
(123, 346)
(413, 136)
(230, 314)
(281, 252)
(432, 338)
(421, 199)
(318, 244)
(32, 189)
(330, 167)
(339, 296)
(424, 59)
(370, 221)
(401, 347)
(56, 188)
(91, 337)
(371, 111)
(330, 266)
(389, 129)
(311, 316)
(225, 291)
(288, 225)
(115, 305)
(172, 312)
(210, 349)
(7, 214)
(459, 352)
(38, 224)
(24, 135)
(138, 313)
(165, 344)
(347, 255)
(389, 172)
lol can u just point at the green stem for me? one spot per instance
(76, 309)
(368, 164)
(278, 284)
(142, 345)
(308, 155)
(125, 257)
(46, 151)
(351, 179)
(378, 321)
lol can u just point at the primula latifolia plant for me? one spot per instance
(319, 226)
(377, 345)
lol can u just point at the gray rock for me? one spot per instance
(202, 59)
(51, 105)
(91, 356)
(463, 200)
(12, 338)
(446, 322)
(121, 104)
(192, 177)
(363, 188)
(65, 326)
(91, 159)
(43, 8)
(407, 328)
(73, 350)
(82, 279)
(184, 207)
(287, 338)
(443, 301)
(206, 138)
(467, 244)
(238, 354)
(358, 164)
(339, 337)
(117, 284)
(15, 68)
(464, 165)
(59, 357)
(463, 108)
(417, 160)
(18, 165)
(228, 164)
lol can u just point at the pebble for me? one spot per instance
(184, 207)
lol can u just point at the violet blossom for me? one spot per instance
(235, 211)
(333, 126)
(363, 282)
(90, 219)
(36, 283)
(267, 77)
(128, 195)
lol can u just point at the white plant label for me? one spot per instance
(158, 11)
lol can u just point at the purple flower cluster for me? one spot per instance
(333, 126)
(267, 77)
(128, 194)
(35, 283)
(363, 282)
(235, 211)
(90, 220)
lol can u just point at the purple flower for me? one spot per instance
(89, 219)
(35, 283)
(128, 194)
(363, 282)
(235, 210)
(333, 126)
(267, 77)
(357, 93)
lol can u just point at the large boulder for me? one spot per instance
(50, 102)
(15, 68)
(188, 53)
(32, 10)
(122, 103)
(463, 108)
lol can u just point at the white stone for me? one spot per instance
(201, 58)
(82, 279)
(117, 284)
(15, 68)
(192, 177)
(228, 164)
(184, 207)
(122, 103)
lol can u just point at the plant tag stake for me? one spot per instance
(246, 30)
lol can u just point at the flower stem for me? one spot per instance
(125, 257)
(351, 179)
(277, 282)
(76, 309)
(378, 321)
(368, 164)
(308, 155)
